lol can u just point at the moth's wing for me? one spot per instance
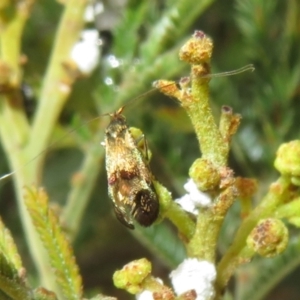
(120, 195)
(136, 199)
(123, 218)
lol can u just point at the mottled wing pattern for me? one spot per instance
(129, 177)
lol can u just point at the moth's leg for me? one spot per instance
(141, 142)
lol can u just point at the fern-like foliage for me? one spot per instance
(8, 248)
(12, 279)
(271, 41)
(55, 242)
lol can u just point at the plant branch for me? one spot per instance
(276, 195)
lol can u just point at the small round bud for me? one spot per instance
(205, 174)
(287, 160)
(132, 275)
(197, 50)
(269, 238)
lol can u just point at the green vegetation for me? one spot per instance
(242, 125)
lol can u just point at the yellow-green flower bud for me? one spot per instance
(268, 238)
(132, 275)
(287, 160)
(197, 50)
(205, 174)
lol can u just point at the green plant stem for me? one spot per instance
(203, 245)
(56, 88)
(137, 81)
(14, 125)
(80, 192)
(14, 130)
(212, 145)
(276, 195)
(204, 241)
(174, 212)
(288, 210)
(181, 220)
(11, 42)
(54, 94)
(58, 81)
(11, 105)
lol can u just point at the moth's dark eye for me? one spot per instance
(146, 207)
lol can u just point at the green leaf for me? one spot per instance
(14, 288)
(8, 248)
(55, 242)
(12, 274)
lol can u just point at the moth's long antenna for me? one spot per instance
(8, 174)
(69, 132)
(141, 96)
(222, 74)
(49, 147)
(246, 68)
(231, 73)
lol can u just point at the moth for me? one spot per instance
(130, 180)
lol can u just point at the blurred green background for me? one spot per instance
(145, 36)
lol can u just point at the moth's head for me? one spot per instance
(118, 126)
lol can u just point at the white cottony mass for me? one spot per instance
(86, 52)
(194, 274)
(147, 295)
(194, 198)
